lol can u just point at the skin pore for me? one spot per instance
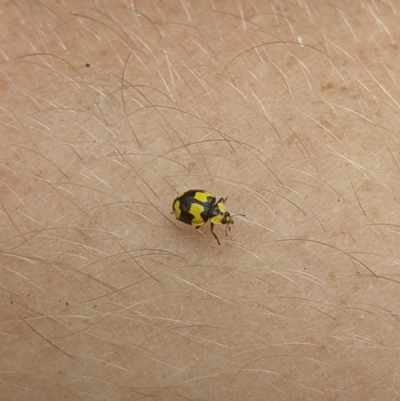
(109, 109)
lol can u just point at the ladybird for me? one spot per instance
(196, 207)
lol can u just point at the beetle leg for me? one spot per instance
(228, 227)
(212, 232)
(222, 200)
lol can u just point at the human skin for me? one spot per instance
(108, 110)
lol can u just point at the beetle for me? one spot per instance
(196, 206)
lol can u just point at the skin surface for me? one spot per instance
(109, 109)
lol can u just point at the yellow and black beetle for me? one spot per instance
(196, 207)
